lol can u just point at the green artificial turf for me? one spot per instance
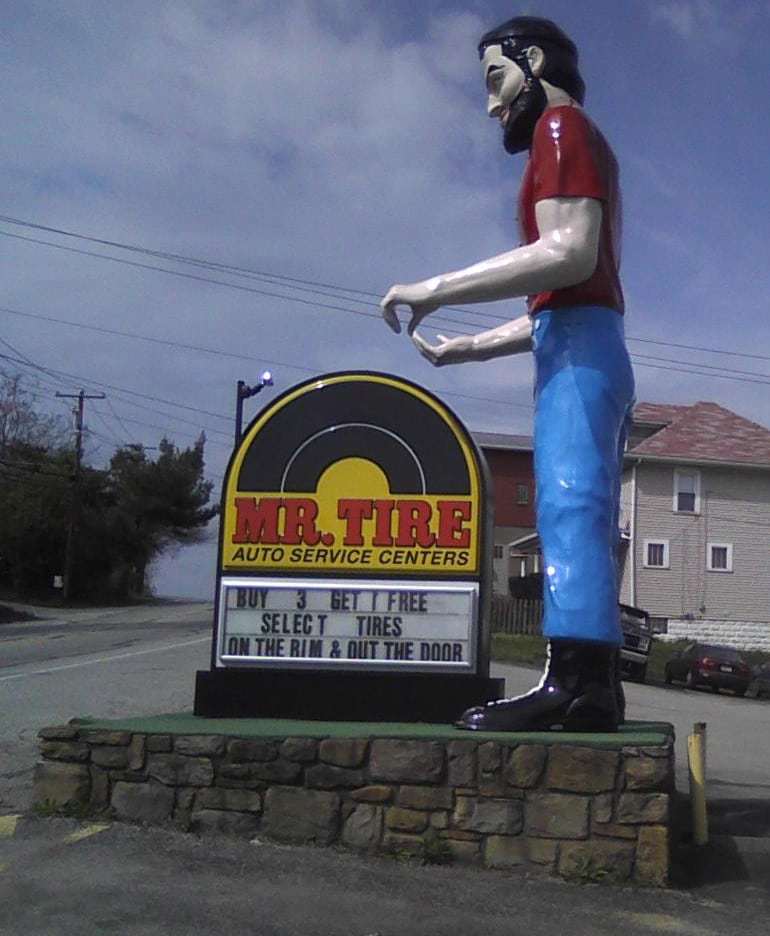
(642, 734)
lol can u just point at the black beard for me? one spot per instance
(523, 114)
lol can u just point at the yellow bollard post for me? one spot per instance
(696, 756)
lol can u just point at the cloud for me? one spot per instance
(708, 22)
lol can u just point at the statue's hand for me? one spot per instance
(447, 351)
(419, 298)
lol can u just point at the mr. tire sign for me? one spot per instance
(352, 533)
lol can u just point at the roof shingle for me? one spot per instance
(702, 432)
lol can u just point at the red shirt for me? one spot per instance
(570, 158)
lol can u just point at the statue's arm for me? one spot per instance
(564, 254)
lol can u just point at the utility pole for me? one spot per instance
(69, 555)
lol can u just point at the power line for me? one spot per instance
(262, 275)
(215, 282)
(214, 351)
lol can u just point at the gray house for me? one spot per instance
(695, 522)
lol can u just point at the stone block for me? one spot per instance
(493, 785)
(489, 756)
(177, 770)
(502, 851)
(220, 799)
(245, 750)
(639, 808)
(363, 827)
(557, 815)
(648, 773)
(406, 820)
(328, 777)
(662, 750)
(61, 784)
(581, 769)
(199, 745)
(296, 815)
(136, 752)
(159, 744)
(185, 798)
(108, 755)
(439, 820)
(525, 765)
(100, 788)
(58, 733)
(277, 771)
(406, 761)
(142, 802)
(542, 851)
(302, 750)
(602, 807)
(461, 765)
(220, 822)
(652, 856)
(614, 830)
(407, 846)
(372, 794)
(495, 817)
(75, 751)
(421, 797)
(104, 736)
(460, 835)
(463, 852)
(596, 861)
(343, 752)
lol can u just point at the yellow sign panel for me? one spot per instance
(354, 472)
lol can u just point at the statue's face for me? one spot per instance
(515, 99)
(504, 80)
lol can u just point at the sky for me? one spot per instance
(346, 143)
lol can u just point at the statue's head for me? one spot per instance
(517, 57)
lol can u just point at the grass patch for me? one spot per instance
(523, 649)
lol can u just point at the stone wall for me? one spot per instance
(743, 635)
(580, 812)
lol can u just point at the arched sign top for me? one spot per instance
(358, 472)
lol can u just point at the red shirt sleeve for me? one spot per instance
(566, 158)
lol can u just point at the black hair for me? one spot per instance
(561, 54)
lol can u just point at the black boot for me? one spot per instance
(577, 693)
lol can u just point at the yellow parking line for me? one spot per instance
(86, 832)
(8, 826)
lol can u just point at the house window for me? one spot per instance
(719, 557)
(656, 554)
(522, 494)
(686, 491)
(498, 552)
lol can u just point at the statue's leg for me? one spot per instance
(583, 391)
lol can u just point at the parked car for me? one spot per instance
(707, 665)
(637, 640)
(760, 683)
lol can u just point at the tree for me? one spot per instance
(156, 504)
(129, 513)
(20, 423)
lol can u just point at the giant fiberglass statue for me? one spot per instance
(567, 266)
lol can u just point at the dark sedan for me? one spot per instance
(707, 665)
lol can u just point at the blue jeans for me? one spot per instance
(584, 389)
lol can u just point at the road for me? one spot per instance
(105, 661)
(60, 877)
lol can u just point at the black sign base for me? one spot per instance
(341, 696)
